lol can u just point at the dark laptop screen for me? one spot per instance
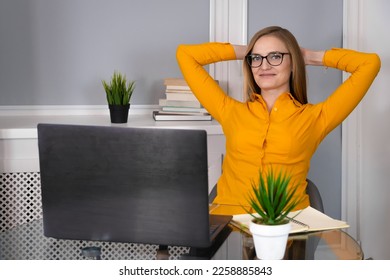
(124, 184)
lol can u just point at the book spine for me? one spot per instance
(180, 96)
(179, 88)
(183, 109)
(162, 112)
(179, 117)
(176, 103)
(175, 82)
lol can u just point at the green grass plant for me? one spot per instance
(273, 198)
(118, 90)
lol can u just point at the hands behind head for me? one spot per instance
(312, 57)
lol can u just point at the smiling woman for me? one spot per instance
(272, 78)
(276, 127)
(269, 40)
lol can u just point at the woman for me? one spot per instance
(276, 126)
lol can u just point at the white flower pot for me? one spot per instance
(270, 241)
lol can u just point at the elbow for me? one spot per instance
(179, 49)
(376, 62)
(180, 52)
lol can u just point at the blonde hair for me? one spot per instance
(298, 75)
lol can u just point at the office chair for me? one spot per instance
(311, 189)
(314, 196)
(315, 202)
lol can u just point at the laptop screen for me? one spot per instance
(140, 185)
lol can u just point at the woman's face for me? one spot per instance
(272, 79)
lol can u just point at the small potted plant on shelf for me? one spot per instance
(272, 199)
(118, 93)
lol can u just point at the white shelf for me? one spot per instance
(19, 143)
(24, 127)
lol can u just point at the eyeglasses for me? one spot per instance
(273, 59)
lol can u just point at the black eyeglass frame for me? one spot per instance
(248, 58)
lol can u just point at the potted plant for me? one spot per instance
(272, 199)
(118, 93)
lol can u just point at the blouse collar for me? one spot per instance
(285, 106)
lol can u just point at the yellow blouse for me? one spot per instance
(287, 137)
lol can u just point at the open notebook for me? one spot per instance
(308, 220)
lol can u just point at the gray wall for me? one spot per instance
(56, 52)
(317, 25)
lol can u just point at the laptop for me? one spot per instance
(124, 184)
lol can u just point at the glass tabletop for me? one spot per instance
(320, 245)
(27, 241)
(325, 245)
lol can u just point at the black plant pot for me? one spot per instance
(119, 113)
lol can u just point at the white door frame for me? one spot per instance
(351, 129)
(228, 23)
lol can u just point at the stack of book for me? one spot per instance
(180, 103)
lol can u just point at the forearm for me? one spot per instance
(363, 68)
(207, 53)
(240, 51)
(313, 57)
(191, 58)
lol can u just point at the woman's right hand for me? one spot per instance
(312, 57)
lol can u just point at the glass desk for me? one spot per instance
(27, 241)
(321, 245)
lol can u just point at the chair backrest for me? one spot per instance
(314, 196)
